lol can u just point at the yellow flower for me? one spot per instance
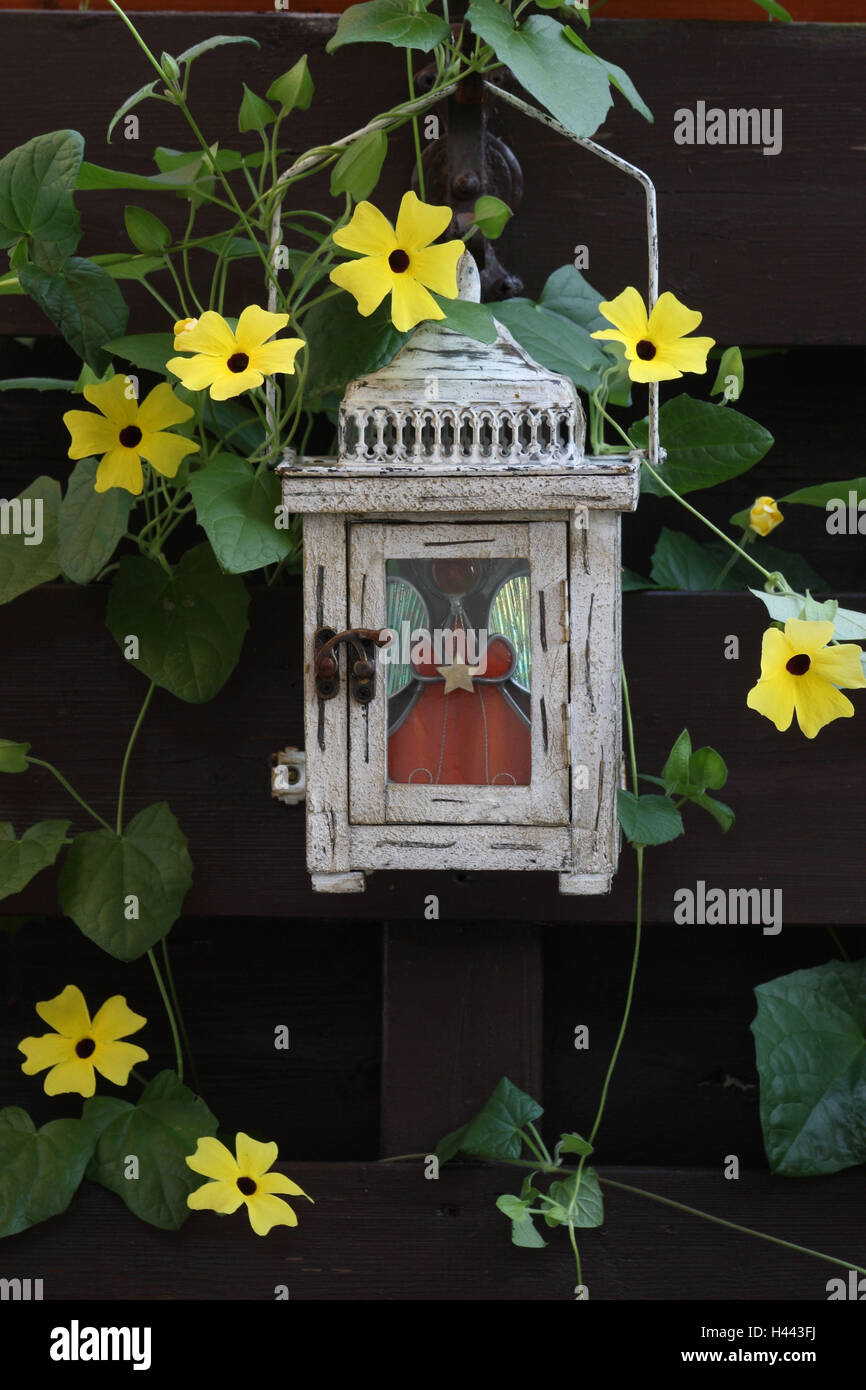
(243, 1179)
(800, 672)
(765, 516)
(127, 431)
(656, 346)
(231, 361)
(400, 263)
(79, 1047)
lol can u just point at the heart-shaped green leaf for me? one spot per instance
(83, 301)
(39, 1171)
(705, 443)
(36, 184)
(236, 507)
(159, 1132)
(398, 22)
(495, 1130)
(91, 524)
(29, 551)
(651, 820)
(810, 1040)
(190, 624)
(21, 860)
(126, 891)
(13, 756)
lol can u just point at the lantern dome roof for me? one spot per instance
(446, 397)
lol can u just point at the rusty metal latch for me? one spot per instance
(362, 675)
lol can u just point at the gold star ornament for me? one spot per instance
(458, 676)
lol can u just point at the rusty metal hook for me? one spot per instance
(326, 665)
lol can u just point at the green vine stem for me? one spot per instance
(416, 136)
(180, 1020)
(731, 1225)
(170, 1012)
(672, 492)
(67, 786)
(125, 766)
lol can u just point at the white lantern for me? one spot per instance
(461, 621)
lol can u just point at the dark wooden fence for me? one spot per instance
(400, 1026)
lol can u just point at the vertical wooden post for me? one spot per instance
(462, 1006)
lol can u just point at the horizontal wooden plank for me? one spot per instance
(381, 1231)
(737, 228)
(69, 693)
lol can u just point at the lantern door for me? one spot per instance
(469, 721)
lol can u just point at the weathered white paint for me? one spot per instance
(406, 486)
(325, 722)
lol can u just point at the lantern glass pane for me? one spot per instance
(459, 671)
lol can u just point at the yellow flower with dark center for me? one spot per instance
(765, 516)
(128, 431)
(656, 346)
(80, 1046)
(400, 262)
(244, 1178)
(229, 360)
(801, 673)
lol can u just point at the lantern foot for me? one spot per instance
(582, 885)
(348, 882)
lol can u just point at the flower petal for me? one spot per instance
(808, 636)
(369, 232)
(44, 1052)
(613, 334)
(818, 703)
(841, 665)
(627, 313)
(222, 1197)
(213, 1160)
(420, 223)
(369, 280)
(410, 303)
(437, 267)
(115, 1060)
(210, 335)
(267, 1211)
(120, 468)
(278, 1182)
(256, 325)
(656, 370)
(775, 651)
(276, 357)
(254, 1158)
(161, 408)
(75, 1075)
(166, 451)
(66, 1013)
(774, 698)
(115, 1020)
(91, 434)
(197, 372)
(115, 398)
(227, 384)
(687, 354)
(670, 319)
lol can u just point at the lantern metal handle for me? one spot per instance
(654, 455)
(362, 676)
(417, 107)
